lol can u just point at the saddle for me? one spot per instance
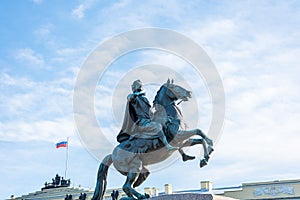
(144, 145)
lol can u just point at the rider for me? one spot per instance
(139, 123)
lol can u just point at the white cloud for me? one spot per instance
(81, 9)
(38, 130)
(43, 31)
(78, 12)
(35, 111)
(30, 57)
(69, 51)
(215, 30)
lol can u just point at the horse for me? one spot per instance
(132, 163)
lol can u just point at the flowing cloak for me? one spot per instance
(137, 122)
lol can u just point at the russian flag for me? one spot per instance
(61, 144)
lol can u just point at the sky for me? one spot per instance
(254, 45)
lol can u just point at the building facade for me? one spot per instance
(279, 189)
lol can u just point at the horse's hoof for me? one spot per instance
(187, 157)
(203, 163)
(145, 196)
(210, 150)
(128, 198)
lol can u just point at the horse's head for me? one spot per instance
(170, 92)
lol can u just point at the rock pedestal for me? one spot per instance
(189, 196)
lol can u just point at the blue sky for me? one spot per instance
(254, 45)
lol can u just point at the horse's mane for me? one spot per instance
(160, 114)
(158, 97)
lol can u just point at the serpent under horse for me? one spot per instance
(133, 164)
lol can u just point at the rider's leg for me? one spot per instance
(165, 141)
(157, 129)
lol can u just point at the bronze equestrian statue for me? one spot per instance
(147, 139)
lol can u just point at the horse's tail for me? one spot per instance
(102, 178)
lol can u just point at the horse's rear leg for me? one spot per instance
(129, 191)
(127, 187)
(142, 177)
(134, 167)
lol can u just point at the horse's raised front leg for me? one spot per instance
(204, 161)
(184, 135)
(207, 139)
(192, 142)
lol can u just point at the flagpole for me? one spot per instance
(67, 155)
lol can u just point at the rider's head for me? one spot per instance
(137, 86)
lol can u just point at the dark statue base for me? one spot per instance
(146, 196)
(128, 198)
(190, 196)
